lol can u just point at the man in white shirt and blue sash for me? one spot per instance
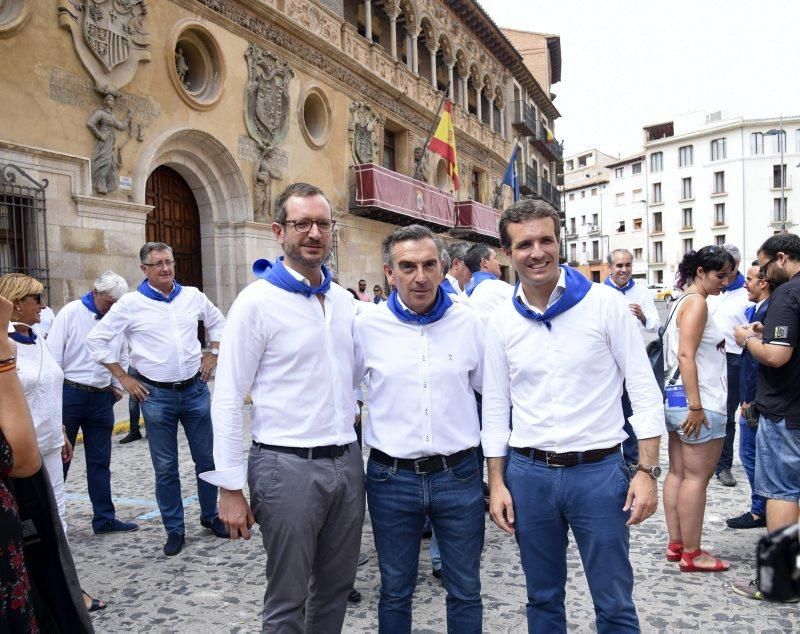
(288, 343)
(422, 355)
(159, 322)
(559, 352)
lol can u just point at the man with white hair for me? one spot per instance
(728, 309)
(90, 392)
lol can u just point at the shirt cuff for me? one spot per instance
(232, 479)
(495, 445)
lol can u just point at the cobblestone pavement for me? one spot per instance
(217, 585)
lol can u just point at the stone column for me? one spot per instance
(503, 122)
(433, 66)
(452, 92)
(464, 97)
(393, 35)
(480, 103)
(368, 19)
(409, 54)
(415, 53)
(491, 113)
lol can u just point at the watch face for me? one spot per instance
(655, 471)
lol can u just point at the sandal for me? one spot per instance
(96, 605)
(687, 562)
(674, 551)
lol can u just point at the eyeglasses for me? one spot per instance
(36, 296)
(304, 226)
(166, 264)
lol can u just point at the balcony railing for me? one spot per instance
(398, 199)
(528, 182)
(550, 194)
(477, 221)
(524, 120)
(551, 147)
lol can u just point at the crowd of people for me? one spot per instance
(546, 381)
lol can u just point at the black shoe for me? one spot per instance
(437, 572)
(726, 478)
(354, 596)
(130, 437)
(746, 520)
(174, 544)
(116, 526)
(216, 526)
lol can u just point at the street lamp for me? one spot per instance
(781, 138)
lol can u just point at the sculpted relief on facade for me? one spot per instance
(363, 132)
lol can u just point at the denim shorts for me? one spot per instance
(777, 473)
(675, 416)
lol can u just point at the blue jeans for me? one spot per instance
(399, 501)
(747, 452)
(588, 498)
(93, 412)
(734, 363)
(162, 410)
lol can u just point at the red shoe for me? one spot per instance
(687, 562)
(674, 551)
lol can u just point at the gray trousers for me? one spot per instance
(310, 513)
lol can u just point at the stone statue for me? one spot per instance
(499, 195)
(262, 186)
(106, 159)
(181, 67)
(421, 159)
(363, 138)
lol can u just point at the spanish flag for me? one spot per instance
(549, 136)
(443, 142)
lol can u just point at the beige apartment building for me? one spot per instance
(180, 120)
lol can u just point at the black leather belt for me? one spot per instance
(169, 385)
(85, 388)
(422, 466)
(311, 453)
(567, 459)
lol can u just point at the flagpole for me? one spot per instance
(432, 130)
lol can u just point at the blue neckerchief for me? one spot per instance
(737, 283)
(443, 302)
(148, 291)
(576, 288)
(477, 278)
(622, 290)
(448, 287)
(88, 301)
(750, 312)
(25, 339)
(276, 273)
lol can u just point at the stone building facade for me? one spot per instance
(179, 120)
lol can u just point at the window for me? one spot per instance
(719, 214)
(656, 161)
(656, 193)
(573, 253)
(583, 220)
(719, 240)
(779, 210)
(657, 224)
(719, 182)
(637, 224)
(621, 227)
(475, 185)
(779, 142)
(637, 255)
(583, 247)
(686, 156)
(570, 165)
(619, 199)
(388, 150)
(688, 245)
(572, 226)
(756, 143)
(582, 160)
(686, 215)
(778, 176)
(797, 140)
(596, 221)
(595, 249)
(719, 149)
(659, 277)
(636, 168)
(658, 251)
(572, 196)
(594, 191)
(636, 196)
(686, 188)
(619, 172)
(583, 193)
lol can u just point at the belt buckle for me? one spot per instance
(548, 455)
(417, 466)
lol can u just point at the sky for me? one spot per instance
(630, 63)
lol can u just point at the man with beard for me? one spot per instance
(775, 345)
(288, 343)
(361, 293)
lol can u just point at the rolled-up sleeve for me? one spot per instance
(213, 319)
(651, 318)
(496, 394)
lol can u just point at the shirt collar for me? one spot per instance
(299, 277)
(159, 292)
(558, 291)
(455, 283)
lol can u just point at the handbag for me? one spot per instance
(655, 353)
(778, 564)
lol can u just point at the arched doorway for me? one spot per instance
(176, 221)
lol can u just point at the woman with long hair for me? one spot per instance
(696, 405)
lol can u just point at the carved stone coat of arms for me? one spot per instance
(266, 110)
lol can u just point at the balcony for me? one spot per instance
(524, 119)
(528, 181)
(775, 183)
(382, 194)
(550, 194)
(593, 230)
(552, 147)
(477, 222)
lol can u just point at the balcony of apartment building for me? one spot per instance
(545, 142)
(550, 193)
(528, 181)
(524, 118)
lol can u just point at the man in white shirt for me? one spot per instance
(159, 323)
(289, 344)
(728, 309)
(485, 288)
(643, 309)
(90, 392)
(421, 354)
(558, 353)
(458, 275)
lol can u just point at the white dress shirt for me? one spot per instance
(728, 311)
(67, 342)
(296, 361)
(638, 294)
(456, 286)
(488, 295)
(565, 384)
(161, 336)
(421, 381)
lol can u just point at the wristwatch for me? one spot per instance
(214, 351)
(746, 339)
(654, 471)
